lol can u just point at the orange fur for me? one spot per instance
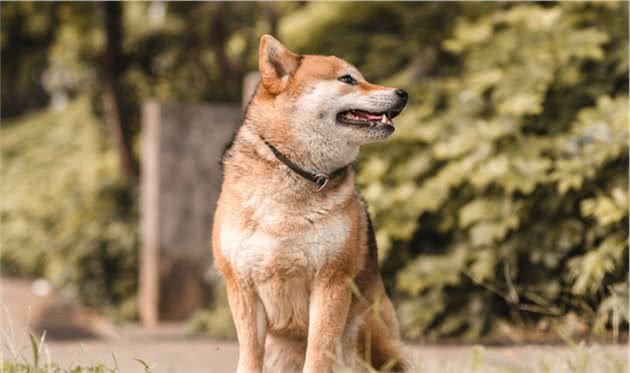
(287, 252)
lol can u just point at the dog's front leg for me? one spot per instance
(328, 310)
(250, 320)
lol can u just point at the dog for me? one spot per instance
(291, 235)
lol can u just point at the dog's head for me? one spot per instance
(325, 97)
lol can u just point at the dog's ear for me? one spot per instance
(276, 64)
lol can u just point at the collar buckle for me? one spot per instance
(321, 180)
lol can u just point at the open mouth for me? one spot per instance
(366, 119)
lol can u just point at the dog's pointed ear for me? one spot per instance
(276, 64)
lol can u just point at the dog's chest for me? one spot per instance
(279, 242)
(282, 263)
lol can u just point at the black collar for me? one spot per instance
(318, 179)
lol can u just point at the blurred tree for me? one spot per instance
(123, 54)
(26, 33)
(66, 215)
(105, 59)
(116, 112)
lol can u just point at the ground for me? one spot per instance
(170, 349)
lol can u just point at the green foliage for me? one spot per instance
(504, 192)
(64, 214)
(184, 52)
(383, 39)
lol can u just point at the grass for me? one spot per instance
(36, 365)
(48, 366)
(12, 359)
(579, 359)
(9, 367)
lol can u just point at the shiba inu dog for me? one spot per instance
(291, 235)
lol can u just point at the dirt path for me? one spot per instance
(169, 349)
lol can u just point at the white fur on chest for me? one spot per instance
(257, 254)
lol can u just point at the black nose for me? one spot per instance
(402, 95)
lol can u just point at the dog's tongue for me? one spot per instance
(368, 116)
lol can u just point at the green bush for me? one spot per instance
(64, 214)
(502, 199)
(504, 194)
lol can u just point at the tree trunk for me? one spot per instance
(116, 115)
(217, 40)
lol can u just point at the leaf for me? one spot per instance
(34, 349)
(589, 270)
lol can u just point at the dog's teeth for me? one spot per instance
(384, 119)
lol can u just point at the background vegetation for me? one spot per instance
(501, 203)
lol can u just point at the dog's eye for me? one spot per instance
(348, 79)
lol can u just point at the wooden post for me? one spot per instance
(180, 184)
